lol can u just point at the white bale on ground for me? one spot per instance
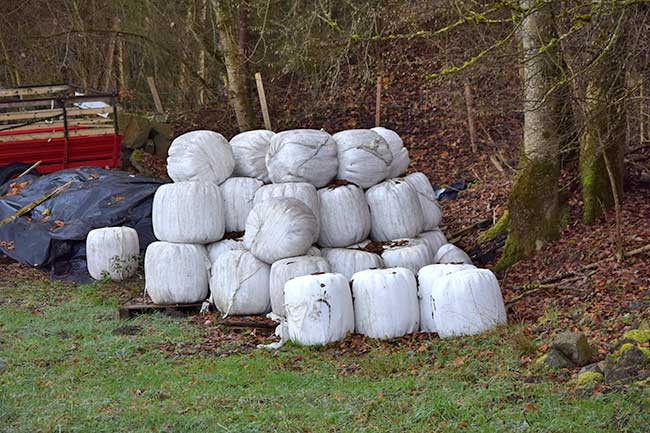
(249, 150)
(240, 284)
(302, 155)
(176, 273)
(427, 278)
(385, 302)
(319, 309)
(467, 302)
(112, 252)
(364, 157)
(238, 194)
(188, 212)
(348, 261)
(431, 210)
(401, 158)
(344, 216)
(450, 253)
(200, 156)
(287, 269)
(216, 249)
(395, 210)
(303, 191)
(434, 240)
(412, 254)
(278, 228)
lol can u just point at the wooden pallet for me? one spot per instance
(132, 309)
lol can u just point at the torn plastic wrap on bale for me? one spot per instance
(53, 235)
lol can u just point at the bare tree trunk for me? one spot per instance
(604, 130)
(533, 204)
(203, 70)
(120, 66)
(237, 85)
(110, 56)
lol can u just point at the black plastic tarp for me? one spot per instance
(53, 235)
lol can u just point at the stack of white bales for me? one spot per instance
(336, 192)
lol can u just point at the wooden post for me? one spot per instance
(378, 102)
(154, 93)
(265, 108)
(469, 101)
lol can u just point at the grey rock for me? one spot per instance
(591, 368)
(556, 359)
(574, 345)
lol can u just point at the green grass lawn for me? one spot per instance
(66, 370)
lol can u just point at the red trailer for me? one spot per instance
(59, 126)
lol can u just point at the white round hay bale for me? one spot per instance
(287, 269)
(176, 273)
(385, 303)
(412, 254)
(348, 261)
(240, 284)
(249, 150)
(200, 156)
(467, 302)
(238, 194)
(302, 155)
(427, 278)
(216, 249)
(112, 252)
(400, 153)
(319, 309)
(450, 253)
(364, 157)
(344, 216)
(305, 192)
(434, 240)
(188, 212)
(278, 228)
(431, 210)
(395, 211)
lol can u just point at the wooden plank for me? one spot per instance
(34, 90)
(56, 124)
(46, 135)
(154, 93)
(262, 95)
(44, 102)
(44, 114)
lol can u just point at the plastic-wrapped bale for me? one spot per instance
(427, 278)
(450, 253)
(302, 155)
(112, 252)
(344, 216)
(434, 240)
(238, 194)
(319, 309)
(188, 212)
(218, 248)
(401, 158)
(364, 157)
(466, 303)
(278, 228)
(431, 210)
(395, 210)
(313, 251)
(240, 284)
(176, 273)
(348, 261)
(287, 269)
(200, 156)
(305, 192)
(385, 303)
(412, 254)
(249, 150)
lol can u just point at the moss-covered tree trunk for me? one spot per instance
(238, 94)
(604, 126)
(533, 204)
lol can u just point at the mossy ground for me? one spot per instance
(66, 370)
